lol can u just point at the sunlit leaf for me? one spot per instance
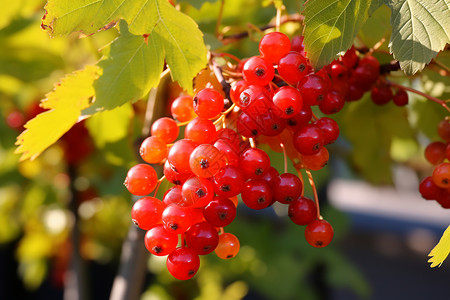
(65, 104)
(420, 29)
(441, 250)
(331, 26)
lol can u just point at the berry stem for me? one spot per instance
(316, 198)
(315, 118)
(235, 58)
(224, 114)
(219, 75)
(438, 101)
(252, 142)
(221, 231)
(284, 154)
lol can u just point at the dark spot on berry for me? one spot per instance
(174, 169)
(319, 98)
(204, 164)
(177, 182)
(225, 188)
(222, 215)
(445, 181)
(195, 100)
(254, 132)
(261, 200)
(259, 171)
(191, 272)
(206, 248)
(288, 199)
(292, 122)
(316, 147)
(289, 110)
(260, 72)
(135, 222)
(229, 256)
(275, 126)
(173, 226)
(319, 243)
(200, 193)
(157, 249)
(301, 67)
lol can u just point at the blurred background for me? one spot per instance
(65, 216)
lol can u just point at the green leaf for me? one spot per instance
(198, 3)
(420, 29)
(65, 104)
(331, 26)
(131, 67)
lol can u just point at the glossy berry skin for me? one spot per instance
(297, 44)
(228, 181)
(338, 71)
(258, 71)
(302, 211)
(173, 176)
(236, 90)
(319, 233)
(316, 161)
(400, 98)
(308, 139)
(330, 129)
(293, 67)
(159, 241)
(273, 46)
(177, 219)
(332, 103)
(256, 194)
(355, 92)
(246, 126)
(153, 150)
(271, 176)
(229, 150)
(179, 154)
(228, 246)
(381, 94)
(313, 89)
(202, 238)
(208, 103)
(441, 175)
(197, 192)
(365, 76)
(141, 180)
(146, 212)
(270, 123)
(288, 100)
(350, 58)
(206, 160)
(254, 162)
(444, 130)
(173, 196)
(429, 190)
(183, 263)
(182, 108)
(435, 152)
(166, 129)
(201, 131)
(220, 212)
(300, 119)
(287, 188)
(254, 99)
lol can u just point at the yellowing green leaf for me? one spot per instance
(420, 29)
(331, 26)
(65, 104)
(441, 250)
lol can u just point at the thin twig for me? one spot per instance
(316, 198)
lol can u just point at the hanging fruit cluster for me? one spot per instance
(218, 159)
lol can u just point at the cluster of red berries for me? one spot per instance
(437, 186)
(217, 159)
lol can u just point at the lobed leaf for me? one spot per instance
(441, 250)
(331, 26)
(420, 29)
(65, 104)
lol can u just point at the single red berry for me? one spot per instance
(330, 129)
(254, 163)
(183, 263)
(173, 196)
(197, 192)
(141, 180)
(302, 211)
(441, 175)
(332, 103)
(257, 70)
(338, 71)
(172, 175)
(274, 46)
(256, 194)
(146, 212)
(301, 119)
(400, 98)
(208, 103)
(177, 219)
(288, 100)
(182, 108)
(381, 94)
(202, 238)
(287, 188)
(179, 154)
(166, 129)
(316, 161)
(429, 190)
(153, 150)
(435, 152)
(159, 241)
(308, 139)
(206, 160)
(201, 131)
(236, 90)
(313, 89)
(228, 246)
(229, 181)
(293, 67)
(444, 130)
(220, 212)
(319, 233)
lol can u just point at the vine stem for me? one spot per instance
(284, 154)
(438, 101)
(316, 198)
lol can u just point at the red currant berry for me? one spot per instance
(183, 263)
(429, 190)
(228, 246)
(220, 212)
(319, 233)
(258, 70)
(435, 152)
(316, 161)
(201, 131)
(146, 212)
(287, 188)
(206, 160)
(400, 98)
(313, 89)
(441, 175)
(228, 181)
(330, 129)
(444, 130)
(166, 129)
(381, 94)
(293, 67)
(202, 238)
(153, 150)
(159, 241)
(254, 162)
(208, 103)
(197, 192)
(288, 100)
(308, 139)
(274, 46)
(182, 108)
(179, 154)
(332, 103)
(256, 194)
(302, 211)
(141, 180)
(173, 176)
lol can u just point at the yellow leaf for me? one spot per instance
(65, 102)
(441, 250)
